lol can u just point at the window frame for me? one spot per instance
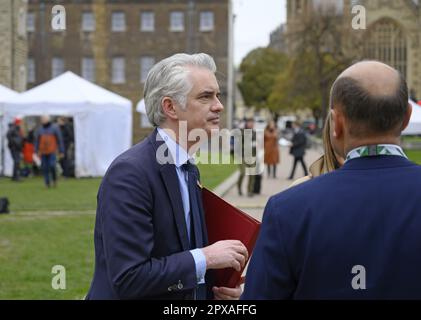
(147, 27)
(88, 72)
(204, 27)
(114, 26)
(115, 73)
(177, 28)
(85, 27)
(143, 73)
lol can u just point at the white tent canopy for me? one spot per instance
(141, 108)
(414, 126)
(102, 119)
(5, 94)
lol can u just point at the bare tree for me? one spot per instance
(325, 40)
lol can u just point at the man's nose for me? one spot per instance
(217, 106)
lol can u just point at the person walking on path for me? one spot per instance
(328, 162)
(298, 149)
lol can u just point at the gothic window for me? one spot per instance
(386, 42)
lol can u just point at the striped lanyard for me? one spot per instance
(376, 150)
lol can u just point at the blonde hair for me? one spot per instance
(330, 161)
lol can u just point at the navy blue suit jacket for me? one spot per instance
(141, 242)
(368, 213)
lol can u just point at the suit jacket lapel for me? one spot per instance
(170, 180)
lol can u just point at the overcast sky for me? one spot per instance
(254, 21)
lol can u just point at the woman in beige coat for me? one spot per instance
(271, 148)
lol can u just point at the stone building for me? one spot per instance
(13, 52)
(392, 34)
(114, 43)
(277, 39)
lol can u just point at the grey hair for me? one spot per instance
(169, 78)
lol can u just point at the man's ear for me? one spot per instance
(407, 117)
(337, 122)
(168, 108)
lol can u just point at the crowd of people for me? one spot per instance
(270, 158)
(36, 152)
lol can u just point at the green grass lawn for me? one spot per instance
(50, 227)
(32, 195)
(414, 155)
(30, 245)
(80, 194)
(411, 138)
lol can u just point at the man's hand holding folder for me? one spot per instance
(226, 254)
(234, 233)
(222, 255)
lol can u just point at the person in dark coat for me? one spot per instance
(298, 149)
(67, 135)
(15, 143)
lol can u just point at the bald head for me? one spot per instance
(372, 96)
(377, 78)
(45, 119)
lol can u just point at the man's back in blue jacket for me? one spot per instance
(353, 233)
(358, 227)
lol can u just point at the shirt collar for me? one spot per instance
(375, 150)
(178, 153)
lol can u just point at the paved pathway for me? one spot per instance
(256, 204)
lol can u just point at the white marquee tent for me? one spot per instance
(141, 108)
(414, 126)
(102, 119)
(5, 94)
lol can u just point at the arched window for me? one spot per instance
(386, 42)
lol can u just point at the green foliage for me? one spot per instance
(301, 85)
(319, 49)
(260, 69)
(414, 155)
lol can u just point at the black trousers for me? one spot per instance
(271, 169)
(296, 160)
(64, 164)
(16, 155)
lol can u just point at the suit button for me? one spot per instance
(170, 289)
(180, 285)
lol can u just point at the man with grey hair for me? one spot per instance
(150, 232)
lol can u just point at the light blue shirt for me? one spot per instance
(180, 157)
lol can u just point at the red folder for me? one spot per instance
(225, 222)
